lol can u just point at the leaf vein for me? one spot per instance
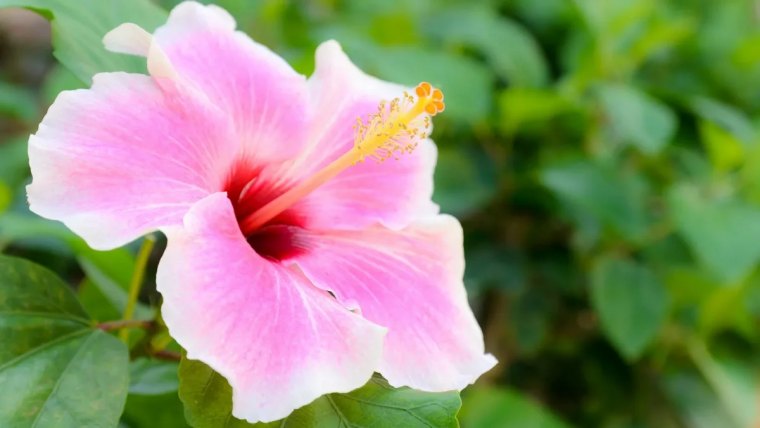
(60, 379)
(343, 419)
(48, 315)
(42, 348)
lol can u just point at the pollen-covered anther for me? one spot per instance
(398, 126)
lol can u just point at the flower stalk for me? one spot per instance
(136, 283)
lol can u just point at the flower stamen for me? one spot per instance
(396, 128)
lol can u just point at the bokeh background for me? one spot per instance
(602, 155)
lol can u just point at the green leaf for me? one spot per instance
(636, 118)
(611, 197)
(79, 27)
(726, 307)
(521, 107)
(725, 150)
(14, 162)
(152, 377)
(59, 79)
(109, 271)
(727, 117)
(17, 102)
(511, 49)
(208, 404)
(631, 304)
(722, 232)
(6, 197)
(465, 83)
(688, 286)
(153, 411)
(497, 407)
(749, 175)
(62, 372)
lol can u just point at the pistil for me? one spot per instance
(396, 128)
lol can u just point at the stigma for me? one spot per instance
(394, 130)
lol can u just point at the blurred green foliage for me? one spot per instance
(603, 156)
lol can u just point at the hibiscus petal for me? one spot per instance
(279, 341)
(134, 40)
(392, 192)
(264, 96)
(123, 158)
(409, 281)
(128, 38)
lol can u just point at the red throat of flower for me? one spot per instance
(396, 128)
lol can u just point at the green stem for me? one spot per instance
(716, 379)
(166, 355)
(136, 282)
(124, 324)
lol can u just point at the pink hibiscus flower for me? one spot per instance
(295, 267)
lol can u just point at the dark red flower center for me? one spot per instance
(248, 191)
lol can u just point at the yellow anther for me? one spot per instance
(399, 128)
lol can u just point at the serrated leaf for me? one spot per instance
(63, 372)
(631, 304)
(208, 404)
(79, 27)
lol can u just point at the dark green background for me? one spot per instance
(603, 156)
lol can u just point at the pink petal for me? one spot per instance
(392, 192)
(128, 38)
(265, 98)
(409, 281)
(279, 341)
(123, 158)
(279, 117)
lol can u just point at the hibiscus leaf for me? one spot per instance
(511, 50)
(729, 252)
(502, 407)
(465, 82)
(152, 377)
(635, 118)
(79, 27)
(208, 403)
(631, 304)
(61, 370)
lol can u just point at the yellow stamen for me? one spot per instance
(396, 128)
